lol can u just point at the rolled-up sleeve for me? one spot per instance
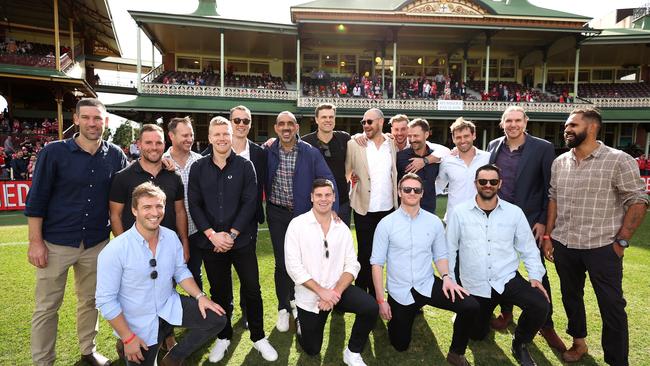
(439, 243)
(293, 257)
(109, 278)
(39, 193)
(380, 244)
(628, 182)
(351, 264)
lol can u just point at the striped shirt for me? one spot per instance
(184, 172)
(282, 187)
(592, 195)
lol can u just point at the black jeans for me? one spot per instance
(533, 304)
(196, 259)
(506, 307)
(200, 331)
(401, 325)
(365, 226)
(605, 270)
(353, 300)
(278, 219)
(217, 268)
(344, 212)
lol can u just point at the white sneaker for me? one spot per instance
(294, 309)
(266, 350)
(352, 359)
(219, 350)
(283, 321)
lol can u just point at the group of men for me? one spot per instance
(172, 212)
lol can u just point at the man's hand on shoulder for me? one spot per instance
(168, 164)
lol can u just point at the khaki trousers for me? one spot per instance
(50, 288)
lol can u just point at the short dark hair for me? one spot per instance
(488, 167)
(420, 122)
(321, 182)
(589, 113)
(322, 106)
(147, 189)
(150, 127)
(176, 120)
(89, 102)
(412, 176)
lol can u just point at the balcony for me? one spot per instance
(216, 91)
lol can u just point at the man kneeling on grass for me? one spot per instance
(321, 261)
(135, 292)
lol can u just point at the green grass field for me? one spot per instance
(431, 333)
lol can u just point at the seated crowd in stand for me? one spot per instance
(505, 91)
(604, 90)
(209, 78)
(21, 142)
(28, 53)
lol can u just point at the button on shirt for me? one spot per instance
(508, 162)
(282, 187)
(184, 173)
(70, 191)
(379, 170)
(125, 286)
(408, 246)
(460, 177)
(592, 196)
(304, 253)
(490, 247)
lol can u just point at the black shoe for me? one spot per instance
(520, 351)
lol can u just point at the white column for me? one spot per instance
(57, 42)
(487, 66)
(575, 76)
(298, 66)
(647, 143)
(395, 68)
(153, 55)
(138, 81)
(484, 139)
(222, 62)
(383, 68)
(544, 77)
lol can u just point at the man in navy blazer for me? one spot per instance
(525, 162)
(292, 167)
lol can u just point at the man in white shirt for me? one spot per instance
(320, 259)
(459, 170)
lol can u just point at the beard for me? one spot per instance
(578, 138)
(486, 196)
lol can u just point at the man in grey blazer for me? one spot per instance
(525, 162)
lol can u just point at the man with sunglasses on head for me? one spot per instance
(135, 292)
(491, 236)
(374, 195)
(320, 259)
(333, 145)
(407, 242)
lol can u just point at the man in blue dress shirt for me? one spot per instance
(491, 236)
(135, 292)
(67, 217)
(407, 241)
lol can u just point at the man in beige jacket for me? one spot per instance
(374, 194)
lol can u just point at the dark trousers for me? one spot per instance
(353, 300)
(365, 226)
(345, 212)
(196, 259)
(200, 331)
(278, 219)
(506, 307)
(401, 324)
(533, 304)
(605, 270)
(217, 268)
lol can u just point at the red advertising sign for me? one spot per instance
(646, 183)
(13, 194)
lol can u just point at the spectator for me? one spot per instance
(19, 166)
(642, 161)
(9, 145)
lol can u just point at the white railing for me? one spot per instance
(122, 83)
(363, 103)
(215, 91)
(621, 102)
(490, 106)
(153, 74)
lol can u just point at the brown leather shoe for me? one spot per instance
(552, 339)
(575, 353)
(95, 359)
(169, 360)
(457, 360)
(502, 321)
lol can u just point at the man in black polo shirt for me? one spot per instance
(418, 132)
(67, 216)
(222, 195)
(334, 146)
(149, 168)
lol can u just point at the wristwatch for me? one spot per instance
(622, 242)
(233, 235)
(426, 162)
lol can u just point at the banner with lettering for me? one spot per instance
(13, 194)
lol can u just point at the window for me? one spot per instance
(602, 74)
(557, 76)
(583, 76)
(237, 66)
(258, 67)
(507, 69)
(309, 62)
(330, 63)
(626, 137)
(212, 64)
(627, 75)
(348, 64)
(188, 63)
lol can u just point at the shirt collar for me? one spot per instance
(141, 240)
(475, 204)
(406, 214)
(594, 154)
(72, 144)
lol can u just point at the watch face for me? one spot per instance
(233, 236)
(623, 243)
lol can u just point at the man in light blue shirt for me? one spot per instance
(491, 236)
(135, 292)
(407, 241)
